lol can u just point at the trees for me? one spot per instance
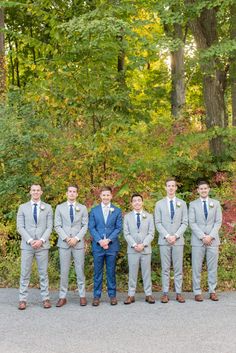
(2, 55)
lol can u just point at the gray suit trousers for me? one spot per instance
(174, 253)
(134, 260)
(198, 254)
(41, 257)
(65, 259)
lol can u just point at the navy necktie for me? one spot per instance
(35, 213)
(205, 209)
(172, 210)
(71, 214)
(138, 220)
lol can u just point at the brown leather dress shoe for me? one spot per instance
(164, 299)
(96, 301)
(180, 298)
(113, 301)
(47, 304)
(198, 298)
(149, 299)
(61, 302)
(129, 300)
(83, 301)
(22, 305)
(214, 297)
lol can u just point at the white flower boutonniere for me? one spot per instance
(178, 204)
(42, 207)
(144, 216)
(211, 204)
(77, 208)
(112, 209)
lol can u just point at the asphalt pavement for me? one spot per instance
(207, 327)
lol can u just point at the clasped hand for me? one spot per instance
(139, 247)
(104, 243)
(71, 241)
(171, 239)
(207, 240)
(36, 244)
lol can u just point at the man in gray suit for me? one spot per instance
(34, 224)
(139, 233)
(205, 218)
(171, 219)
(71, 224)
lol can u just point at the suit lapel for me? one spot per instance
(166, 208)
(100, 213)
(133, 219)
(66, 211)
(29, 210)
(109, 214)
(76, 216)
(201, 211)
(210, 209)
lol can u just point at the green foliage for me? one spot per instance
(72, 114)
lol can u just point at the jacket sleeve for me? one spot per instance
(92, 227)
(158, 221)
(184, 221)
(20, 223)
(218, 221)
(127, 235)
(49, 224)
(84, 224)
(193, 223)
(118, 226)
(58, 224)
(151, 231)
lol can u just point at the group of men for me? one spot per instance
(171, 218)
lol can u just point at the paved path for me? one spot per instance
(192, 327)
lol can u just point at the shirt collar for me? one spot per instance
(71, 203)
(174, 199)
(204, 199)
(105, 206)
(33, 203)
(135, 212)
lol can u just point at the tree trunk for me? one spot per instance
(2, 56)
(204, 29)
(177, 74)
(233, 63)
(16, 64)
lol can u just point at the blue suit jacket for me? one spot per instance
(98, 228)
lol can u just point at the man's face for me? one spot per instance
(72, 194)
(35, 192)
(106, 197)
(171, 188)
(203, 191)
(137, 203)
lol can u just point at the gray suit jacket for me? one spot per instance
(27, 228)
(200, 226)
(65, 228)
(164, 224)
(144, 235)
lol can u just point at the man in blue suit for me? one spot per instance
(105, 225)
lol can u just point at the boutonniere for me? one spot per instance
(211, 204)
(144, 216)
(178, 204)
(77, 208)
(42, 207)
(112, 209)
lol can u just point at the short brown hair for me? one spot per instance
(73, 186)
(171, 179)
(106, 188)
(136, 194)
(203, 182)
